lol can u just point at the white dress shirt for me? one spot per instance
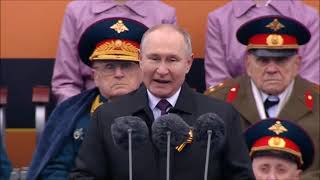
(153, 101)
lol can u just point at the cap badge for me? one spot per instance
(276, 142)
(274, 40)
(119, 27)
(278, 128)
(275, 25)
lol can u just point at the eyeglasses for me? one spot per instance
(108, 68)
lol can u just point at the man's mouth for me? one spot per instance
(161, 81)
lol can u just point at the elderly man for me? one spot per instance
(166, 57)
(111, 48)
(272, 87)
(70, 76)
(279, 149)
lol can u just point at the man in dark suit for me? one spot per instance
(166, 57)
(272, 87)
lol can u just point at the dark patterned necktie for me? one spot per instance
(164, 106)
(270, 102)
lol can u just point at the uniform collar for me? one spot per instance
(105, 5)
(240, 7)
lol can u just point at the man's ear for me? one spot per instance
(298, 173)
(247, 63)
(94, 75)
(189, 62)
(298, 62)
(140, 58)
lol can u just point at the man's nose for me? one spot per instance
(272, 176)
(162, 68)
(118, 72)
(272, 67)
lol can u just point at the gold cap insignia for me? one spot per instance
(278, 128)
(119, 27)
(274, 40)
(275, 25)
(276, 142)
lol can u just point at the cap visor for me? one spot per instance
(273, 52)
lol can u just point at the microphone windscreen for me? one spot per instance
(119, 131)
(210, 121)
(173, 123)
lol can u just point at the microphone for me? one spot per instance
(129, 132)
(210, 130)
(169, 130)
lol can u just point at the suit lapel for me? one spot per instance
(295, 108)
(185, 106)
(138, 105)
(245, 102)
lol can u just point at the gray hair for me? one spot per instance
(184, 33)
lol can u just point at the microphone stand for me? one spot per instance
(207, 155)
(130, 153)
(168, 154)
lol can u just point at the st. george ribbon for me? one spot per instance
(129, 132)
(210, 132)
(169, 130)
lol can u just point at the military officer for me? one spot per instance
(272, 86)
(110, 47)
(279, 149)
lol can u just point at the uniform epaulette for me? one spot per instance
(316, 88)
(217, 87)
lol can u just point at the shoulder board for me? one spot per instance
(316, 88)
(219, 86)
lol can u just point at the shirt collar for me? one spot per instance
(241, 7)
(105, 5)
(153, 100)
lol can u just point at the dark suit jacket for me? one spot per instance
(295, 109)
(100, 158)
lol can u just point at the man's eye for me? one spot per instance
(173, 59)
(155, 58)
(264, 169)
(109, 66)
(282, 60)
(127, 65)
(263, 60)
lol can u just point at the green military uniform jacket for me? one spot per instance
(302, 107)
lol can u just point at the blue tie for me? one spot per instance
(270, 102)
(164, 106)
